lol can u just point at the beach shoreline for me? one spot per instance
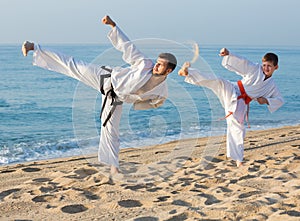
(179, 180)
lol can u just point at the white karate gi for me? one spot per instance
(127, 83)
(227, 92)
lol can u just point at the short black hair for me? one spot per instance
(271, 57)
(172, 61)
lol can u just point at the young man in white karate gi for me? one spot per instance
(256, 84)
(143, 84)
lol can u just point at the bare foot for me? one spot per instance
(115, 175)
(224, 52)
(239, 163)
(114, 170)
(108, 21)
(26, 47)
(184, 69)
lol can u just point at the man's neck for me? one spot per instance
(154, 81)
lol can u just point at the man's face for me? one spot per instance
(160, 67)
(268, 68)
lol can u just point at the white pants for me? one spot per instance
(109, 139)
(225, 91)
(236, 132)
(90, 75)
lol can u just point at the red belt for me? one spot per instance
(243, 95)
(246, 98)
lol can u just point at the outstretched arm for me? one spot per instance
(237, 64)
(121, 42)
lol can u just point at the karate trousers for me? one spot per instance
(228, 93)
(89, 74)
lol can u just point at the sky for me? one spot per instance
(230, 22)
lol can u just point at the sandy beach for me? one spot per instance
(181, 180)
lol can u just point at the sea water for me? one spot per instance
(49, 115)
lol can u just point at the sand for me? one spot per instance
(183, 180)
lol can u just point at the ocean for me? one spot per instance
(48, 115)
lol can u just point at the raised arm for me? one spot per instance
(108, 21)
(121, 42)
(237, 64)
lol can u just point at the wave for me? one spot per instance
(49, 149)
(25, 152)
(3, 103)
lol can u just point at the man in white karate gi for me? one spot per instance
(256, 84)
(143, 84)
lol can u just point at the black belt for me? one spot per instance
(111, 93)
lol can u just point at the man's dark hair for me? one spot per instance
(172, 61)
(271, 57)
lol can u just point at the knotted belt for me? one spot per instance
(243, 95)
(114, 101)
(246, 98)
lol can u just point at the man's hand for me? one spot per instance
(262, 100)
(224, 52)
(108, 21)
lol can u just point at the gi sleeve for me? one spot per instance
(275, 101)
(149, 104)
(131, 55)
(239, 65)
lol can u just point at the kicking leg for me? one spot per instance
(89, 74)
(224, 89)
(226, 93)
